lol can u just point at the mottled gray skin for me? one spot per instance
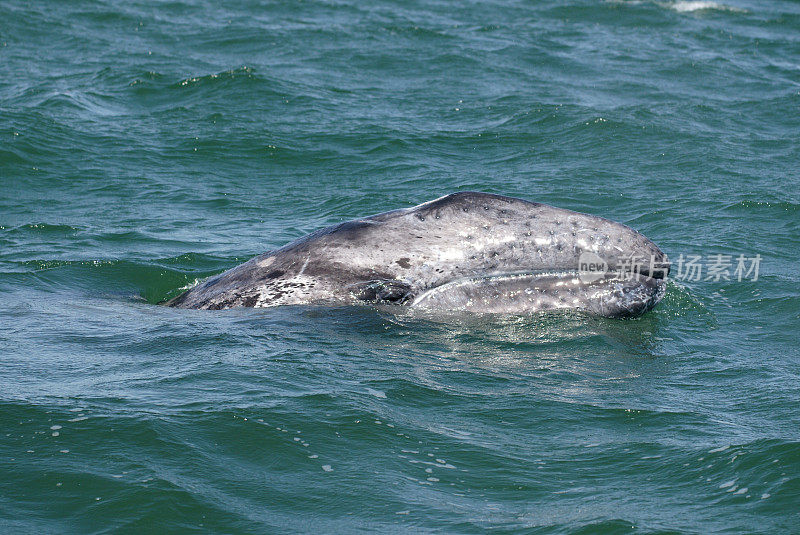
(468, 251)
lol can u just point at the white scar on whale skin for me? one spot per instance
(494, 241)
(450, 254)
(468, 252)
(302, 269)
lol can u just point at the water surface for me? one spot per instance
(145, 146)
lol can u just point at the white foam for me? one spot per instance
(691, 6)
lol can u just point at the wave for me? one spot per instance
(748, 205)
(689, 6)
(154, 280)
(451, 458)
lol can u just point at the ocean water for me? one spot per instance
(147, 145)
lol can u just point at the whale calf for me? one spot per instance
(467, 251)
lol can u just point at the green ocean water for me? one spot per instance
(147, 145)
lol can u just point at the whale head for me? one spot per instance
(467, 251)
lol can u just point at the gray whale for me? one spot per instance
(467, 251)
